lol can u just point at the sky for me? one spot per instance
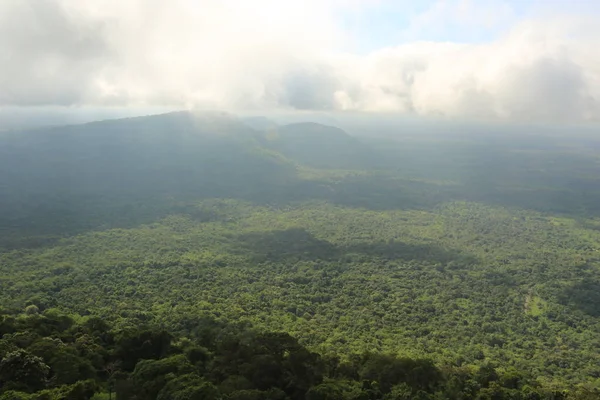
(492, 60)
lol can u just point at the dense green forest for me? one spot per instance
(458, 266)
(53, 356)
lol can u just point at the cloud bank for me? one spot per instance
(273, 54)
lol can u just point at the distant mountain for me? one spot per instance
(58, 175)
(302, 117)
(321, 146)
(81, 169)
(260, 123)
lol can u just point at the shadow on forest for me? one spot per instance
(394, 250)
(42, 225)
(298, 244)
(391, 193)
(81, 201)
(294, 243)
(64, 181)
(585, 296)
(386, 192)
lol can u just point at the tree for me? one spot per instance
(150, 376)
(142, 345)
(188, 387)
(23, 371)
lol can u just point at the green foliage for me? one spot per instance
(243, 364)
(337, 390)
(82, 390)
(135, 345)
(22, 370)
(13, 395)
(188, 387)
(477, 252)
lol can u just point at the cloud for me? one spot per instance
(47, 56)
(133, 52)
(272, 54)
(540, 71)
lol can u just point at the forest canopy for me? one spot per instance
(185, 256)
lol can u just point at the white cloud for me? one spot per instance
(155, 51)
(540, 71)
(282, 54)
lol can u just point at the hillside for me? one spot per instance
(320, 146)
(474, 252)
(96, 174)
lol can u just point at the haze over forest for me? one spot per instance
(316, 200)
